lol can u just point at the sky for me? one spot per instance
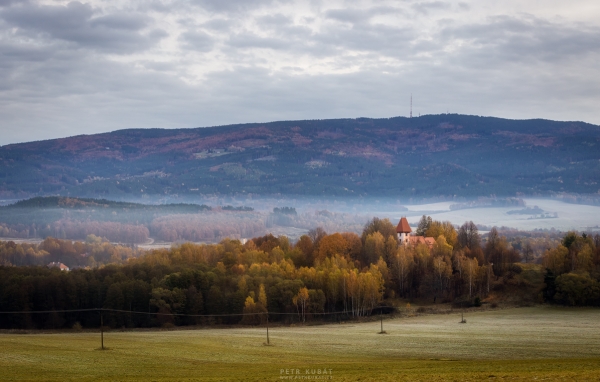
(70, 68)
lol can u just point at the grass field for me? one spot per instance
(538, 343)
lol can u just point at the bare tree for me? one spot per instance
(468, 236)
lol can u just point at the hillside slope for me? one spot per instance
(399, 157)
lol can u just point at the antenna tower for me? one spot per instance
(411, 106)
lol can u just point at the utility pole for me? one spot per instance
(381, 321)
(101, 330)
(411, 105)
(268, 343)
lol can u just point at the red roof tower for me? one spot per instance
(403, 226)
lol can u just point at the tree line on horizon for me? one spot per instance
(319, 273)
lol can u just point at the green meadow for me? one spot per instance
(538, 343)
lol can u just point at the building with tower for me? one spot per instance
(405, 236)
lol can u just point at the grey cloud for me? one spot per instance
(218, 24)
(225, 6)
(425, 7)
(121, 21)
(346, 15)
(284, 28)
(197, 40)
(103, 95)
(523, 39)
(355, 16)
(249, 40)
(374, 38)
(276, 20)
(160, 66)
(280, 33)
(163, 6)
(6, 3)
(74, 23)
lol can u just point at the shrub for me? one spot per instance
(516, 269)
(462, 302)
(77, 326)
(477, 302)
(577, 289)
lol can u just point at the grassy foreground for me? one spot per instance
(517, 344)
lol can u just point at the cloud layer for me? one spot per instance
(70, 68)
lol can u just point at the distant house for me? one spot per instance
(60, 266)
(405, 237)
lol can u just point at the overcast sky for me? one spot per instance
(70, 68)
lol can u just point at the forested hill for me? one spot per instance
(432, 155)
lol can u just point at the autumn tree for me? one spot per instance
(355, 245)
(468, 236)
(383, 226)
(306, 245)
(499, 253)
(441, 248)
(556, 260)
(423, 226)
(527, 252)
(331, 245)
(316, 235)
(374, 248)
(443, 270)
(403, 265)
(301, 300)
(445, 229)
(471, 272)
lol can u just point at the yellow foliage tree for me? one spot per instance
(556, 259)
(300, 300)
(443, 228)
(374, 247)
(404, 265)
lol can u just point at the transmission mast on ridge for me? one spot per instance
(411, 105)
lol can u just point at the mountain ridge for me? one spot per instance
(431, 155)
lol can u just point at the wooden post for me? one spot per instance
(381, 317)
(102, 330)
(268, 343)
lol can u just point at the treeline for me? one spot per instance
(320, 273)
(573, 270)
(76, 218)
(92, 253)
(209, 227)
(132, 223)
(227, 278)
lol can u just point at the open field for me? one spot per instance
(570, 216)
(516, 344)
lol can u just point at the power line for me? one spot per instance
(51, 311)
(108, 310)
